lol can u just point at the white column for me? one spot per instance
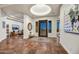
(27, 20)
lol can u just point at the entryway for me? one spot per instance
(43, 31)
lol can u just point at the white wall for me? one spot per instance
(27, 20)
(53, 19)
(3, 34)
(2, 31)
(69, 41)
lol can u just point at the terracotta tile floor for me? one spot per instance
(35, 45)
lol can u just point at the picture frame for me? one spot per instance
(3, 24)
(71, 21)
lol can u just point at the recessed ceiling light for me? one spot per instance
(40, 10)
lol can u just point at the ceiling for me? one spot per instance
(19, 10)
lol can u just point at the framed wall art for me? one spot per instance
(71, 20)
(3, 24)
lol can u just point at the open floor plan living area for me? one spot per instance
(39, 29)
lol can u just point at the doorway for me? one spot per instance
(43, 28)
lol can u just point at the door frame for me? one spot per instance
(46, 29)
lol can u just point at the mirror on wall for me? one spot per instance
(29, 26)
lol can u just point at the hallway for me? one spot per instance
(37, 28)
(35, 45)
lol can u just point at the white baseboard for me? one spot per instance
(65, 48)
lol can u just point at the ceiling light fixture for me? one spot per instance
(40, 9)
